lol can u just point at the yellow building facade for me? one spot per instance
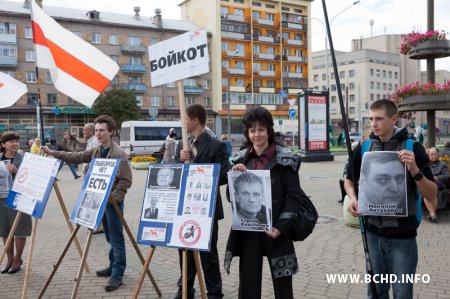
(258, 50)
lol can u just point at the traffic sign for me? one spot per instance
(291, 102)
(292, 113)
(283, 94)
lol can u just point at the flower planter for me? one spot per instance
(430, 49)
(141, 165)
(424, 102)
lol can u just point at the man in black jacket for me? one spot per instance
(204, 149)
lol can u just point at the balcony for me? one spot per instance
(266, 56)
(236, 71)
(234, 54)
(294, 90)
(295, 75)
(8, 61)
(294, 42)
(267, 73)
(193, 89)
(237, 88)
(266, 90)
(129, 68)
(8, 38)
(233, 35)
(293, 25)
(232, 17)
(134, 87)
(268, 39)
(296, 58)
(265, 22)
(132, 49)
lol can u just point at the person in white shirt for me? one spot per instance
(92, 142)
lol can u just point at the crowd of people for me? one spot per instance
(391, 240)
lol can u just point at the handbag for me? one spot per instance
(304, 220)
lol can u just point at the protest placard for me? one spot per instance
(178, 206)
(94, 194)
(251, 200)
(33, 184)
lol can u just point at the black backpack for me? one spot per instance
(304, 220)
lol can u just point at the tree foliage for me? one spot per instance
(119, 104)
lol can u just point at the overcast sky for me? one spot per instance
(389, 17)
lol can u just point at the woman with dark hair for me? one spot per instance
(9, 143)
(263, 153)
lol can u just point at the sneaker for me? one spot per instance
(104, 272)
(431, 218)
(112, 284)
(178, 295)
(77, 177)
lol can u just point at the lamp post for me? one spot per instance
(229, 93)
(326, 38)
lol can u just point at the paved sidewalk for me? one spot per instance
(332, 248)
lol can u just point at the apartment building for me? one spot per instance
(259, 48)
(124, 37)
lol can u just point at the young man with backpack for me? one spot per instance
(391, 240)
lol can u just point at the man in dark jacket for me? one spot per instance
(391, 240)
(204, 149)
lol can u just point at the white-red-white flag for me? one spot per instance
(78, 69)
(10, 90)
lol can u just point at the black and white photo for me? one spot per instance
(382, 185)
(165, 177)
(152, 211)
(250, 194)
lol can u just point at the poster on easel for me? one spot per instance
(91, 202)
(178, 206)
(33, 184)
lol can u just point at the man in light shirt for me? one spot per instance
(92, 142)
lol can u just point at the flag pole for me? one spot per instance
(39, 118)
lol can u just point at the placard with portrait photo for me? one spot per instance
(383, 185)
(251, 200)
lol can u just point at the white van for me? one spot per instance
(144, 137)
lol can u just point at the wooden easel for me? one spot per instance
(33, 239)
(184, 253)
(85, 253)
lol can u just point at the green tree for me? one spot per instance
(118, 103)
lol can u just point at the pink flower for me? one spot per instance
(414, 38)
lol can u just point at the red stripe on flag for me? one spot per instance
(70, 64)
(38, 35)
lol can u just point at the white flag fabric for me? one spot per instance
(10, 90)
(78, 69)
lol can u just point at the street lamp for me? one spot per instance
(229, 93)
(326, 38)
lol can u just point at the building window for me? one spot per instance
(239, 82)
(11, 73)
(113, 39)
(371, 72)
(390, 86)
(51, 98)
(324, 88)
(271, 67)
(299, 69)
(297, 36)
(31, 77)
(378, 97)
(324, 77)
(332, 76)
(333, 99)
(256, 66)
(384, 74)
(298, 53)
(170, 101)
(238, 12)
(225, 46)
(270, 16)
(257, 49)
(78, 33)
(384, 86)
(372, 86)
(239, 64)
(29, 55)
(115, 80)
(7, 28)
(256, 4)
(134, 41)
(378, 85)
(352, 98)
(190, 100)
(28, 32)
(206, 84)
(352, 110)
(372, 97)
(139, 100)
(271, 83)
(96, 38)
(378, 73)
(287, 69)
(395, 75)
(134, 80)
(284, 8)
(48, 78)
(225, 81)
(351, 85)
(257, 83)
(134, 60)
(207, 101)
(271, 6)
(224, 12)
(226, 64)
(32, 98)
(256, 15)
(390, 74)
(342, 74)
(333, 87)
(155, 101)
(153, 40)
(270, 50)
(285, 35)
(351, 73)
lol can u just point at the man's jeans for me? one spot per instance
(114, 235)
(392, 256)
(72, 168)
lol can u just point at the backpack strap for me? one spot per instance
(365, 147)
(410, 147)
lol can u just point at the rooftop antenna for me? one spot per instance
(371, 26)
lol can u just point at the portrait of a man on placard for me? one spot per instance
(152, 211)
(382, 185)
(249, 204)
(165, 177)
